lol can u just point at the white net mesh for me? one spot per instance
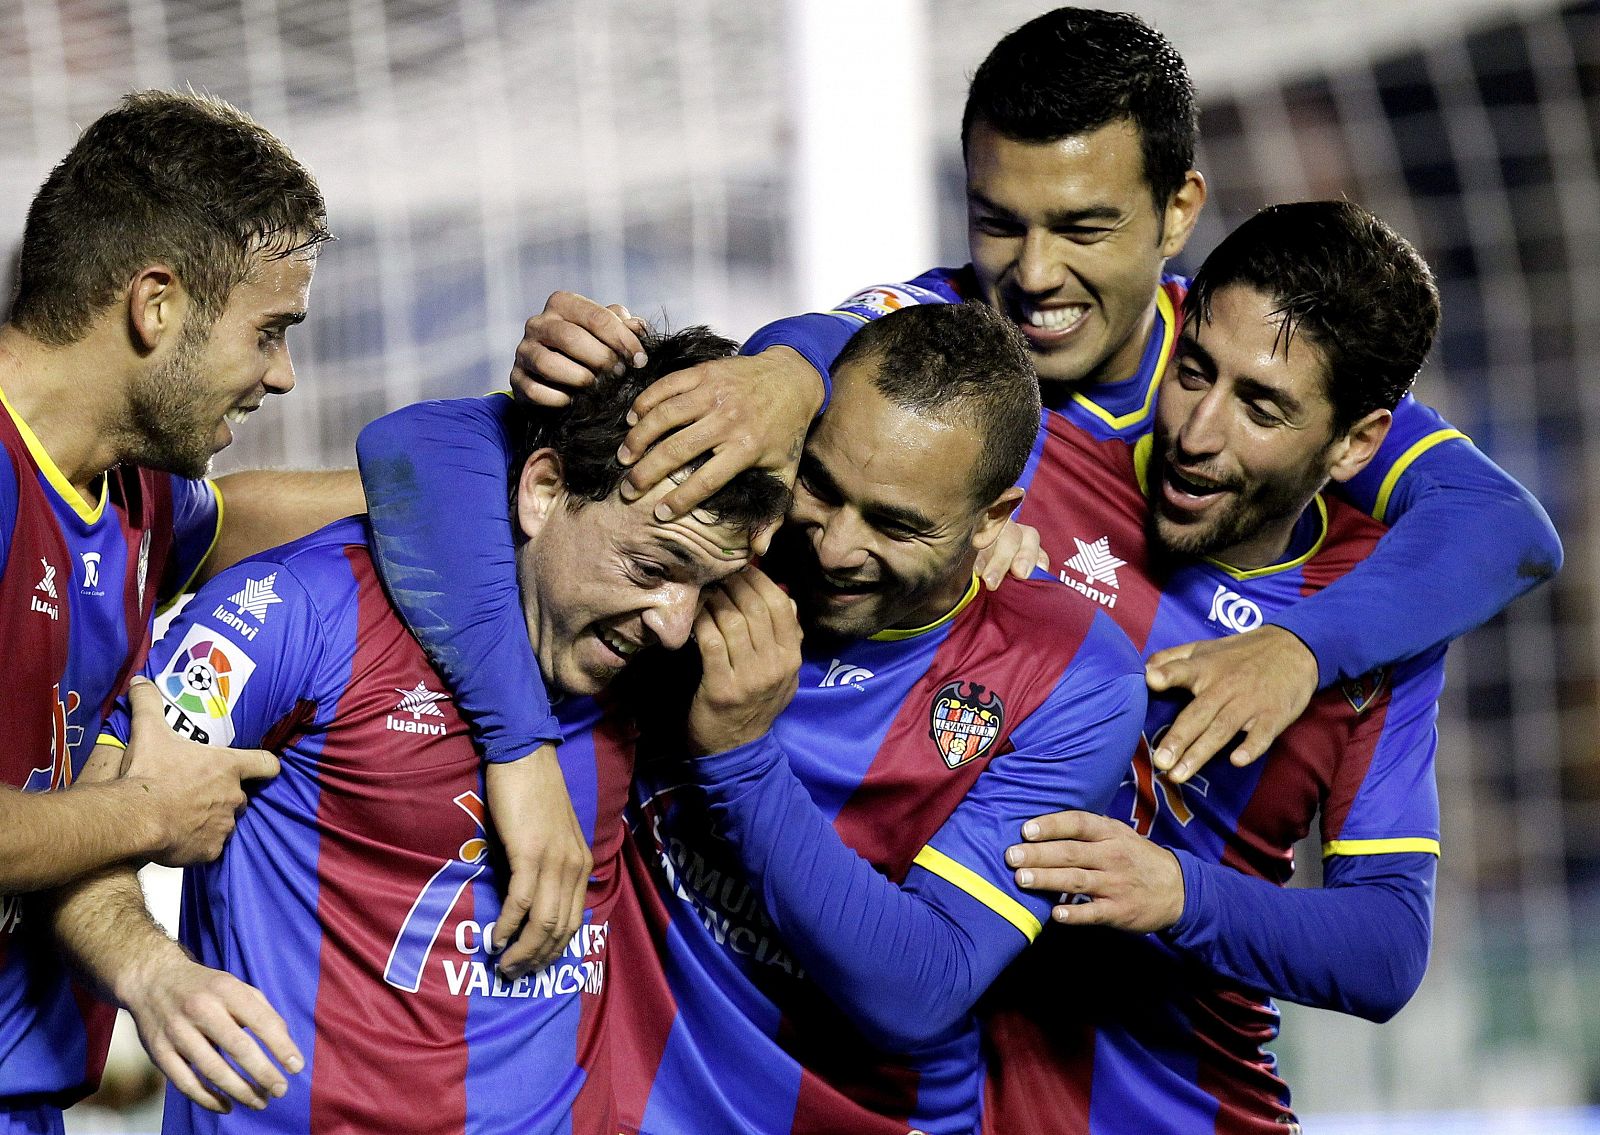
(478, 154)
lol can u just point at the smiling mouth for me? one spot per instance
(239, 413)
(1187, 490)
(622, 647)
(1047, 322)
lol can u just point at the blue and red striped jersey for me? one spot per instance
(359, 889)
(81, 582)
(1098, 1031)
(925, 751)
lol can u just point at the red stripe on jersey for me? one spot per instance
(1039, 1048)
(1085, 501)
(909, 790)
(639, 1022)
(1350, 538)
(366, 888)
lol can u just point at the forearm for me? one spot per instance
(50, 838)
(103, 923)
(435, 475)
(262, 508)
(904, 966)
(1466, 541)
(1358, 948)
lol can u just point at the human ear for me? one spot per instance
(995, 516)
(1182, 211)
(540, 490)
(157, 305)
(1360, 445)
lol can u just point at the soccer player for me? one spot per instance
(820, 899)
(1079, 137)
(359, 892)
(163, 262)
(1302, 332)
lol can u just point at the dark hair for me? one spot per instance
(167, 176)
(586, 433)
(1074, 70)
(1347, 282)
(961, 359)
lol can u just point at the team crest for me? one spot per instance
(1362, 692)
(965, 721)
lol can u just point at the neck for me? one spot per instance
(1124, 361)
(1272, 543)
(942, 600)
(70, 397)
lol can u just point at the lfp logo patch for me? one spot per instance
(965, 721)
(204, 679)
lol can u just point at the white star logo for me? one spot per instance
(256, 596)
(419, 701)
(1096, 563)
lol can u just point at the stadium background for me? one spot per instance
(729, 162)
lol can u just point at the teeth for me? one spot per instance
(235, 416)
(1056, 318)
(621, 645)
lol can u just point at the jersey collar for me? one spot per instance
(52, 472)
(900, 634)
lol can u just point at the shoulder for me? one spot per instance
(324, 570)
(1349, 537)
(1058, 630)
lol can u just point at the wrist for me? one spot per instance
(809, 384)
(139, 965)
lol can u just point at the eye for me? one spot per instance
(269, 337)
(1261, 416)
(995, 226)
(646, 572)
(1191, 376)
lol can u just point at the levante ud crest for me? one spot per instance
(965, 721)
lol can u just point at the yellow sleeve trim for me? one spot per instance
(110, 739)
(981, 889)
(1392, 478)
(1378, 846)
(216, 534)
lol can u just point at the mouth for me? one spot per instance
(1190, 491)
(1047, 324)
(239, 413)
(618, 645)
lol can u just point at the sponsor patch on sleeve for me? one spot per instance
(874, 303)
(202, 683)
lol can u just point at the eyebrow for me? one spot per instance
(1059, 218)
(813, 469)
(286, 318)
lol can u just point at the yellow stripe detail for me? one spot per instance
(52, 472)
(981, 889)
(1271, 569)
(1392, 478)
(1379, 846)
(216, 491)
(893, 635)
(110, 739)
(1169, 330)
(1142, 449)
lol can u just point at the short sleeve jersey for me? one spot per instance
(80, 583)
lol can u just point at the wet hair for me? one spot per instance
(586, 433)
(166, 177)
(962, 360)
(1345, 281)
(1075, 70)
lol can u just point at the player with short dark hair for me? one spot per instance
(360, 891)
(878, 804)
(162, 263)
(1151, 1008)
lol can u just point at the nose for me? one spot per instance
(279, 378)
(1204, 429)
(1039, 270)
(840, 541)
(671, 618)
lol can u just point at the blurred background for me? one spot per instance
(730, 162)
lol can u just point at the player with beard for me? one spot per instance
(1078, 137)
(1302, 332)
(163, 262)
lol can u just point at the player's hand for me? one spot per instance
(194, 792)
(749, 642)
(190, 1016)
(747, 412)
(549, 859)
(1015, 551)
(1130, 883)
(1256, 683)
(568, 343)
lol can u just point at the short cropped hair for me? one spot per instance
(962, 360)
(587, 432)
(166, 177)
(1347, 282)
(1074, 70)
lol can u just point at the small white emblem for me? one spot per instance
(844, 674)
(1096, 563)
(256, 596)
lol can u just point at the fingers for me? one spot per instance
(1198, 733)
(177, 1071)
(144, 702)
(663, 443)
(604, 336)
(1059, 880)
(1067, 825)
(653, 398)
(699, 486)
(1163, 670)
(255, 764)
